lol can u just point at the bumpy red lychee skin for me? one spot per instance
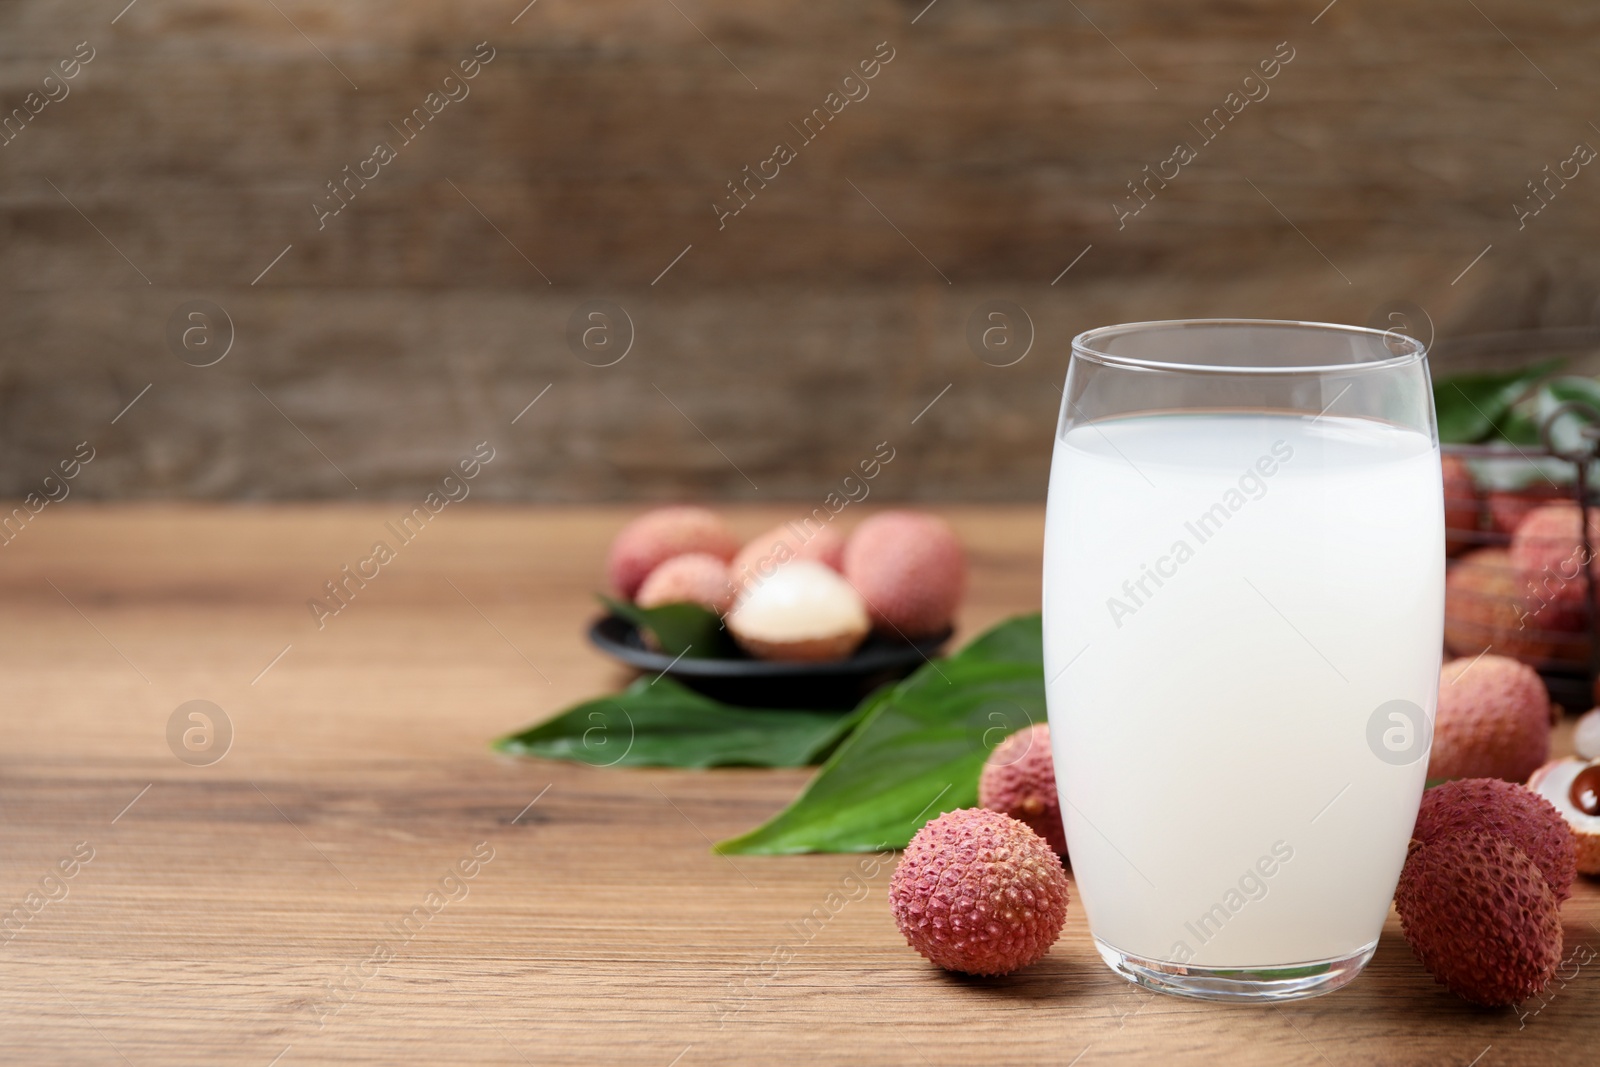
(693, 578)
(1547, 552)
(656, 536)
(1019, 780)
(1480, 917)
(910, 569)
(1493, 720)
(1514, 812)
(980, 893)
(1485, 610)
(1462, 506)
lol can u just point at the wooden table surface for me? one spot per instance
(252, 911)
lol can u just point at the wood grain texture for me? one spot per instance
(590, 151)
(220, 908)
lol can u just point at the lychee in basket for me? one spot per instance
(1522, 521)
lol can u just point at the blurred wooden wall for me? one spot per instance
(777, 351)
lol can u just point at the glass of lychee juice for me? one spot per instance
(1243, 617)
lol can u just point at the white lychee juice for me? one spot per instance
(1233, 606)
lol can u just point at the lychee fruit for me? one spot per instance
(910, 569)
(1573, 787)
(1586, 735)
(1493, 720)
(1462, 507)
(1547, 552)
(1508, 810)
(764, 553)
(1480, 917)
(1484, 609)
(980, 893)
(1507, 508)
(1019, 780)
(656, 536)
(693, 578)
(803, 611)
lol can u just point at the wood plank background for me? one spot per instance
(222, 903)
(819, 321)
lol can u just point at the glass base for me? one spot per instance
(1295, 981)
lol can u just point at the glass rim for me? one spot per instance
(1085, 346)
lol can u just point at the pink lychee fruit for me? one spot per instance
(1507, 508)
(1485, 610)
(692, 578)
(1462, 506)
(979, 892)
(1019, 780)
(656, 536)
(1547, 553)
(910, 569)
(1493, 720)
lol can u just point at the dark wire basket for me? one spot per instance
(1488, 604)
(1485, 601)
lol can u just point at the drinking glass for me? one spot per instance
(1243, 622)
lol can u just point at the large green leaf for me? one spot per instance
(1470, 407)
(917, 751)
(664, 724)
(686, 630)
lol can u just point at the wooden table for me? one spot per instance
(234, 913)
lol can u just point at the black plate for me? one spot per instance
(767, 683)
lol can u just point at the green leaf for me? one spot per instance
(1573, 387)
(665, 724)
(687, 630)
(917, 751)
(1470, 406)
(1520, 428)
(1566, 430)
(1017, 640)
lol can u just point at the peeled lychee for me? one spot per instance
(1586, 735)
(1019, 780)
(1547, 551)
(1484, 609)
(803, 611)
(1573, 787)
(910, 569)
(1493, 720)
(764, 553)
(656, 536)
(694, 578)
(1508, 810)
(1480, 917)
(1461, 505)
(979, 892)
